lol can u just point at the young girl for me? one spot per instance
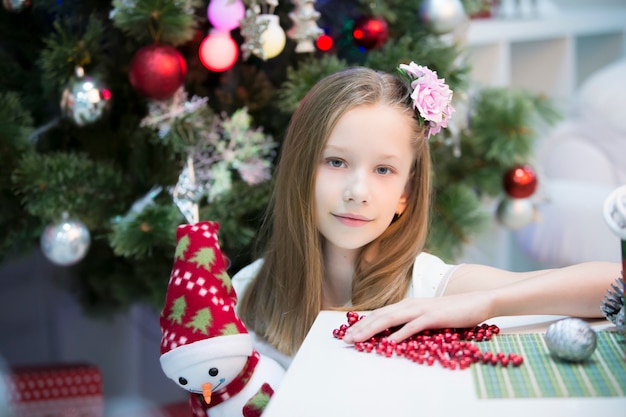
(348, 220)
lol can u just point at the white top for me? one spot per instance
(430, 278)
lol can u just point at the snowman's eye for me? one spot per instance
(213, 371)
(182, 381)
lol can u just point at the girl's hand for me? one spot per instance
(417, 314)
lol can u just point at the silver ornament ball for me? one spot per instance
(442, 16)
(571, 339)
(15, 5)
(65, 243)
(515, 213)
(85, 99)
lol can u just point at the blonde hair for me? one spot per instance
(284, 299)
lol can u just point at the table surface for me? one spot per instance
(329, 378)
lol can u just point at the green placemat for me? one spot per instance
(602, 375)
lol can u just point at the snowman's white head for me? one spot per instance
(218, 361)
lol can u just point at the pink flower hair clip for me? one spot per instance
(431, 96)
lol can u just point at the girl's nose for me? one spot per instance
(357, 189)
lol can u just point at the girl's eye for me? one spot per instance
(383, 170)
(335, 163)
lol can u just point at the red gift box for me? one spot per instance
(68, 390)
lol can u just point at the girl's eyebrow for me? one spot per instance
(338, 148)
(333, 147)
(382, 157)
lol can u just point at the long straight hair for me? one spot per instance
(284, 299)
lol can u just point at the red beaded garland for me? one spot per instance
(452, 348)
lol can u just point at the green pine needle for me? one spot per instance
(68, 47)
(137, 236)
(170, 22)
(300, 79)
(51, 184)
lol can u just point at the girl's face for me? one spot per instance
(362, 176)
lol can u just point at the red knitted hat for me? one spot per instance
(200, 301)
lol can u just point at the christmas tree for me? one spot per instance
(123, 119)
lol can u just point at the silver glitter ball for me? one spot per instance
(65, 243)
(85, 99)
(571, 340)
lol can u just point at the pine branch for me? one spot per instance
(171, 22)
(458, 213)
(301, 78)
(431, 52)
(68, 47)
(137, 236)
(69, 182)
(16, 124)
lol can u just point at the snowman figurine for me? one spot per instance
(205, 347)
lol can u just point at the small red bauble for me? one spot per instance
(371, 32)
(520, 181)
(157, 71)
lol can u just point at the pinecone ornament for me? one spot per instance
(571, 340)
(613, 304)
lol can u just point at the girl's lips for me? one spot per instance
(351, 220)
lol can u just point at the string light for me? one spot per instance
(225, 14)
(324, 43)
(218, 51)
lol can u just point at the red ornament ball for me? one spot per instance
(371, 32)
(520, 181)
(157, 71)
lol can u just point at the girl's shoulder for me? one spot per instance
(430, 275)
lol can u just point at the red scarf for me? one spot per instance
(199, 407)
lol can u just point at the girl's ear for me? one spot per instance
(401, 204)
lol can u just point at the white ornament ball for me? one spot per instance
(442, 16)
(571, 340)
(65, 243)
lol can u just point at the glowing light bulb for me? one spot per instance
(225, 14)
(324, 43)
(273, 38)
(218, 51)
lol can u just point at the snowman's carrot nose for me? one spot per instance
(206, 392)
